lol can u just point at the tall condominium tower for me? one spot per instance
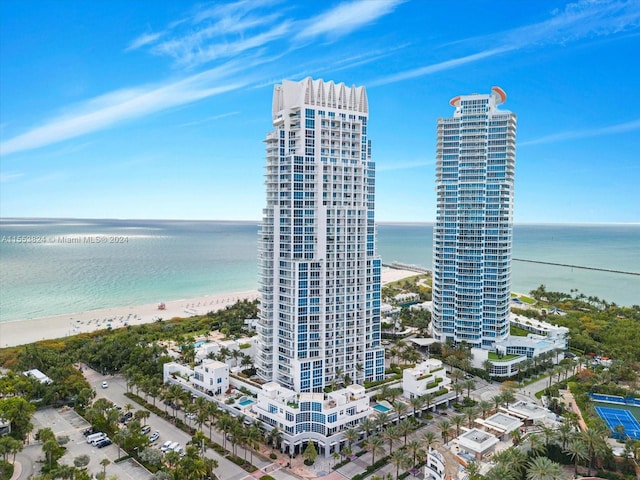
(474, 221)
(319, 275)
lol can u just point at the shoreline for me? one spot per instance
(20, 332)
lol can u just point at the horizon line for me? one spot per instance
(380, 222)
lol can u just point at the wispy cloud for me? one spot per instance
(588, 133)
(145, 39)
(121, 105)
(212, 118)
(579, 20)
(347, 17)
(437, 67)
(10, 176)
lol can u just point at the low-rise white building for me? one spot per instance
(211, 376)
(531, 413)
(434, 466)
(38, 375)
(426, 377)
(500, 424)
(407, 297)
(477, 443)
(319, 417)
(514, 350)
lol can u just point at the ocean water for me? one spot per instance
(50, 267)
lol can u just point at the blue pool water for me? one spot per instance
(615, 399)
(381, 408)
(199, 344)
(244, 401)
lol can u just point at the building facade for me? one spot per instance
(472, 237)
(319, 274)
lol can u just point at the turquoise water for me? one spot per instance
(245, 401)
(381, 408)
(69, 266)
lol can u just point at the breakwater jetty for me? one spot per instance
(575, 266)
(406, 266)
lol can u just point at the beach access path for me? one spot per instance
(21, 332)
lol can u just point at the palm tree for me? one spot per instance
(471, 412)
(390, 434)
(252, 437)
(428, 398)
(429, 439)
(469, 384)
(368, 425)
(549, 435)
(400, 459)
(415, 447)
(484, 406)
(536, 445)
(541, 468)
(375, 445)
(458, 420)
(401, 409)
(565, 432)
(497, 401)
(351, 436)
(577, 450)
(416, 403)
(405, 427)
(501, 472)
(382, 419)
(445, 430)
(508, 397)
(104, 462)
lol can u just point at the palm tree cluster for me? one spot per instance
(402, 351)
(532, 460)
(410, 453)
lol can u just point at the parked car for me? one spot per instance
(126, 417)
(105, 442)
(95, 437)
(146, 429)
(165, 446)
(105, 384)
(88, 431)
(154, 436)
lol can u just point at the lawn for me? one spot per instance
(505, 358)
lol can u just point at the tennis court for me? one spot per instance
(598, 397)
(615, 417)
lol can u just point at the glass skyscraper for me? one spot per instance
(473, 233)
(319, 273)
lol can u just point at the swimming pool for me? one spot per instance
(245, 401)
(199, 344)
(381, 408)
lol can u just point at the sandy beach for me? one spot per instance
(21, 332)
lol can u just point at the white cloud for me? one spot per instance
(209, 119)
(583, 19)
(437, 67)
(347, 17)
(9, 176)
(144, 39)
(125, 104)
(588, 133)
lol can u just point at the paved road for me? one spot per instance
(168, 431)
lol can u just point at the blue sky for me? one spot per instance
(140, 109)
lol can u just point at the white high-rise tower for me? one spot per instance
(473, 233)
(319, 319)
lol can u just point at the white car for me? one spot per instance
(154, 436)
(105, 384)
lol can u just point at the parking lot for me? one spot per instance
(66, 422)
